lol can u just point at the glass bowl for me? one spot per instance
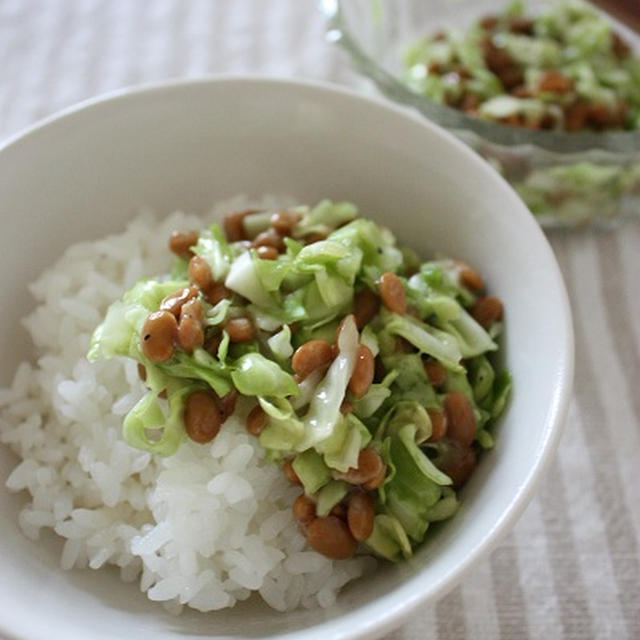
(566, 179)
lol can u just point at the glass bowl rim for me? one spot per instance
(338, 31)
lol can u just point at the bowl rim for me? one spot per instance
(560, 142)
(388, 611)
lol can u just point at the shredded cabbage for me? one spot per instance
(324, 409)
(427, 339)
(255, 375)
(212, 247)
(307, 293)
(495, 69)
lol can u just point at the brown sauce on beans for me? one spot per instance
(202, 418)
(392, 293)
(331, 537)
(158, 334)
(310, 356)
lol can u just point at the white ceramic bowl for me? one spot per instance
(84, 172)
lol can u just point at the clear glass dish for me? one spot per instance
(566, 179)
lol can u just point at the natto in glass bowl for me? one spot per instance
(567, 179)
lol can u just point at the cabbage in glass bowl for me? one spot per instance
(566, 178)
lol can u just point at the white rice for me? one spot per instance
(204, 528)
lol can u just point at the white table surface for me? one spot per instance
(571, 567)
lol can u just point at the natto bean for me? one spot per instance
(257, 420)
(174, 301)
(304, 509)
(158, 334)
(202, 418)
(200, 272)
(331, 537)
(360, 514)
(487, 310)
(240, 329)
(392, 293)
(461, 423)
(362, 375)
(310, 356)
(180, 243)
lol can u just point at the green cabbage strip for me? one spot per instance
(243, 278)
(324, 408)
(119, 333)
(255, 375)
(212, 246)
(342, 447)
(439, 344)
(149, 427)
(324, 217)
(198, 365)
(312, 471)
(280, 344)
(330, 495)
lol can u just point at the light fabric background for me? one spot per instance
(571, 568)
